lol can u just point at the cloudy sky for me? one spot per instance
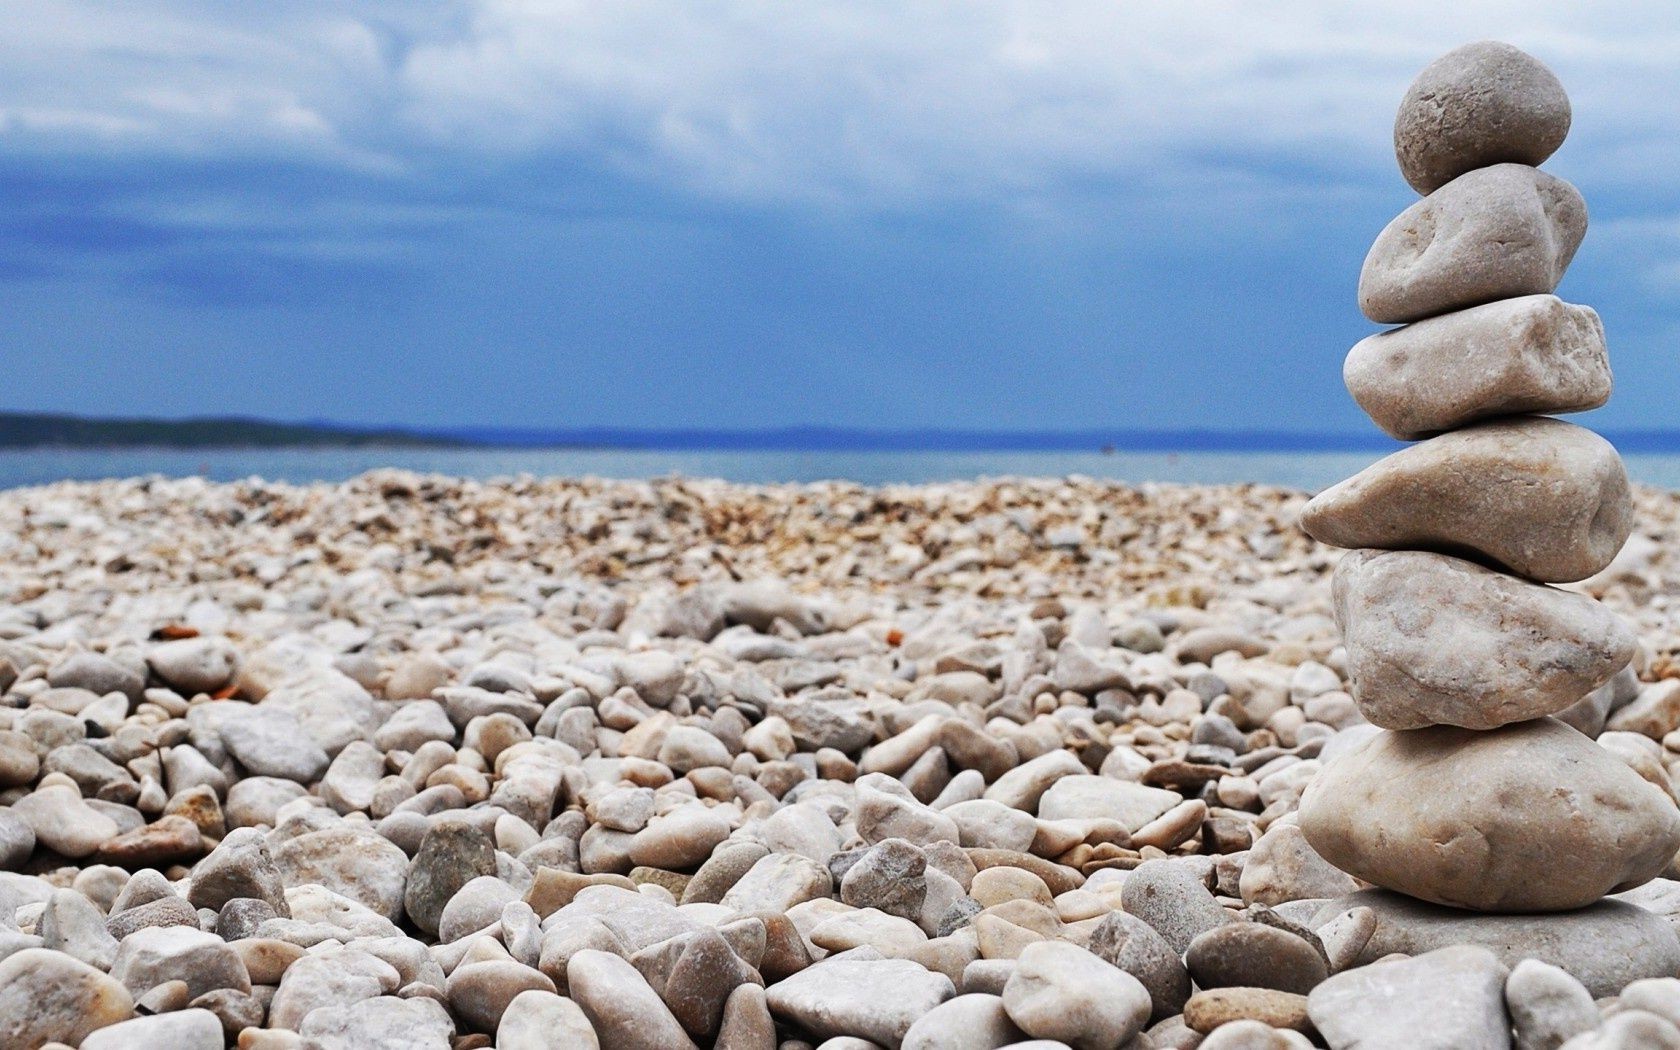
(990, 213)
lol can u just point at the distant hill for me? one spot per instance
(48, 430)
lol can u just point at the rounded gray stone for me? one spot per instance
(1480, 104)
(1494, 233)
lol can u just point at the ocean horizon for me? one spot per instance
(1307, 470)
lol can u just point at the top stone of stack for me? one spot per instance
(1476, 106)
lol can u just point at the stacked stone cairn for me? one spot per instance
(1473, 796)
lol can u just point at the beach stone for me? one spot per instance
(47, 996)
(1450, 999)
(149, 957)
(451, 855)
(1246, 1035)
(539, 1020)
(381, 1023)
(73, 924)
(171, 838)
(1494, 233)
(1127, 942)
(623, 1011)
(777, 882)
(334, 977)
(1547, 1006)
(63, 821)
(474, 907)
(1167, 896)
(1254, 955)
(350, 862)
(1653, 712)
(1532, 354)
(19, 763)
(1061, 991)
(1606, 946)
(1480, 104)
(703, 974)
(96, 673)
(479, 992)
(1213, 1008)
(857, 994)
(195, 665)
(1435, 640)
(1629, 1030)
(1494, 830)
(1282, 866)
(1545, 499)
(890, 876)
(1085, 797)
(968, 1022)
(746, 1024)
(257, 800)
(17, 840)
(240, 866)
(183, 1030)
(163, 911)
(353, 777)
(681, 839)
(269, 742)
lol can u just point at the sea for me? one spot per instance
(1310, 471)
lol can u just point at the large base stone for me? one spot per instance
(1606, 946)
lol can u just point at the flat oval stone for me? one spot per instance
(1436, 640)
(1480, 104)
(1606, 946)
(1534, 353)
(1494, 233)
(1542, 498)
(1528, 817)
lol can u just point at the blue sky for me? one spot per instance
(718, 213)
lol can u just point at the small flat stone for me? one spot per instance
(351, 862)
(1164, 894)
(149, 957)
(1493, 233)
(1547, 1006)
(451, 855)
(1449, 999)
(539, 1020)
(1606, 946)
(681, 839)
(1532, 354)
(381, 1022)
(1282, 866)
(1254, 955)
(624, 1012)
(968, 1022)
(1435, 640)
(182, 1030)
(1127, 942)
(1545, 499)
(878, 999)
(46, 996)
(1061, 991)
(1496, 832)
(1479, 104)
(1214, 1007)
(479, 992)
(271, 743)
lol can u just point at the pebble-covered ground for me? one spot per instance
(421, 762)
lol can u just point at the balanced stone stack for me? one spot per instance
(1472, 796)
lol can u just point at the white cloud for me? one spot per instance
(870, 103)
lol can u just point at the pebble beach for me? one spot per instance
(419, 762)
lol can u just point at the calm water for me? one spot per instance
(1311, 470)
